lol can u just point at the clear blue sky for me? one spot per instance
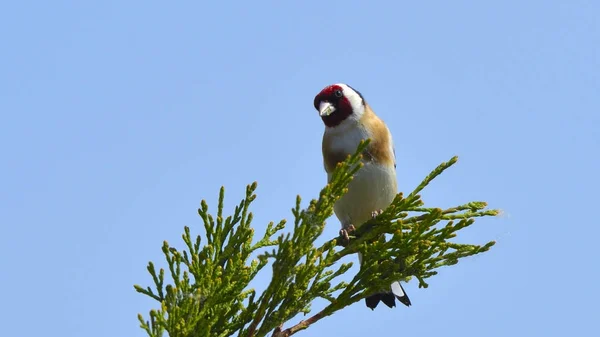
(118, 117)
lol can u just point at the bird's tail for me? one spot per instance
(389, 297)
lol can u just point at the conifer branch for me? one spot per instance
(209, 293)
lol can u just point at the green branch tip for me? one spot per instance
(208, 293)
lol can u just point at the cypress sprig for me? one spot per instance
(209, 292)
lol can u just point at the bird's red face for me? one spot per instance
(337, 102)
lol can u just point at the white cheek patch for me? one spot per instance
(356, 102)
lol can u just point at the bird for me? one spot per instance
(348, 120)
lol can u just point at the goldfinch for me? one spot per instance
(349, 119)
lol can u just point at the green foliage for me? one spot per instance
(210, 295)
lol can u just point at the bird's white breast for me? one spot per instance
(374, 186)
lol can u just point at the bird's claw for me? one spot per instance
(344, 234)
(375, 214)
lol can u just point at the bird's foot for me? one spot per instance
(345, 234)
(375, 214)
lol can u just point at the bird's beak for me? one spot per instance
(326, 109)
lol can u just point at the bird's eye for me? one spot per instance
(338, 93)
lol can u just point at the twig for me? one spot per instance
(300, 326)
